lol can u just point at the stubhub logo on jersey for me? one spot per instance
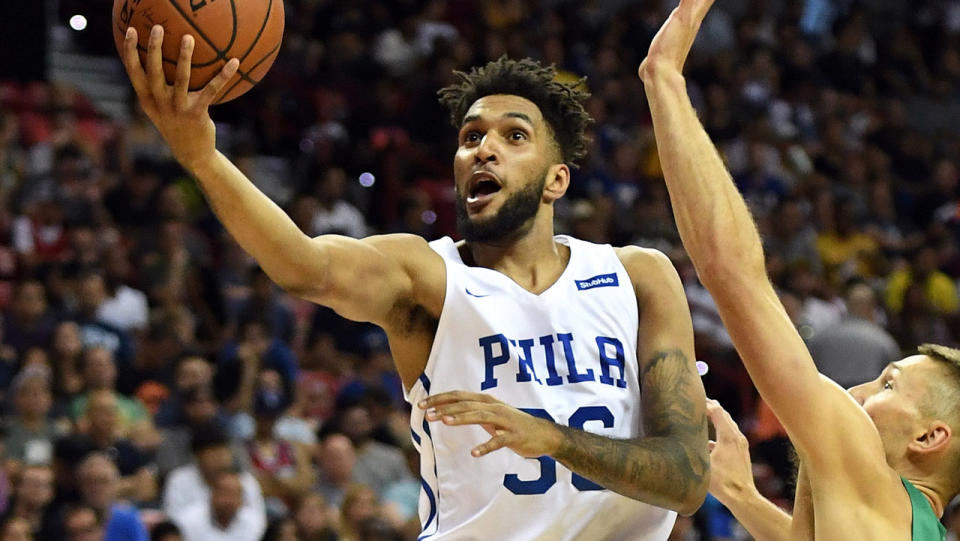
(602, 280)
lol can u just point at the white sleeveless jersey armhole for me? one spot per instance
(568, 354)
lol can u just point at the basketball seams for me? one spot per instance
(221, 54)
(266, 19)
(246, 76)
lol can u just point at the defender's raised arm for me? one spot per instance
(720, 235)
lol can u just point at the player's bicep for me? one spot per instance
(674, 403)
(365, 279)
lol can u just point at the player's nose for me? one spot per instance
(858, 392)
(487, 150)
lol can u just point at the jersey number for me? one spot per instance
(548, 466)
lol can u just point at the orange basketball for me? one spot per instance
(250, 30)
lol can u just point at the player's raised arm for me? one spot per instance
(722, 240)
(331, 270)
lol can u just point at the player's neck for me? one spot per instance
(933, 493)
(535, 260)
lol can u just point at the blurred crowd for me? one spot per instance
(156, 384)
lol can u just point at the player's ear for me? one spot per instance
(557, 182)
(936, 437)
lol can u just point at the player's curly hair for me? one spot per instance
(561, 104)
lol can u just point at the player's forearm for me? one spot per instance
(713, 220)
(761, 517)
(662, 471)
(259, 226)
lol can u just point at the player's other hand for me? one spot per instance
(731, 473)
(524, 434)
(670, 47)
(180, 115)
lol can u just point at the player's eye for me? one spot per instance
(887, 385)
(518, 136)
(471, 137)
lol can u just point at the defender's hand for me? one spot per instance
(180, 115)
(731, 473)
(524, 434)
(670, 47)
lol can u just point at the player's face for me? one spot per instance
(505, 152)
(892, 401)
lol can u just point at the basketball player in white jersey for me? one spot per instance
(565, 331)
(878, 461)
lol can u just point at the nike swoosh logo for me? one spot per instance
(474, 294)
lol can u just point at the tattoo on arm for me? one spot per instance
(669, 465)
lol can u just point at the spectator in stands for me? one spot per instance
(281, 466)
(334, 214)
(377, 464)
(124, 306)
(918, 322)
(315, 519)
(66, 358)
(91, 294)
(190, 371)
(200, 409)
(266, 303)
(939, 290)
(16, 529)
(336, 458)
(31, 500)
(102, 429)
(99, 487)
(100, 373)
(81, 523)
(845, 250)
(856, 349)
(28, 323)
(223, 515)
(189, 486)
(31, 431)
(359, 505)
(256, 343)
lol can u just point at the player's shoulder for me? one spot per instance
(640, 259)
(650, 270)
(398, 241)
(404, 247)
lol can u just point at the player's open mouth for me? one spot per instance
(483, 185)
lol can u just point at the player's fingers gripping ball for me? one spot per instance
(249, 30)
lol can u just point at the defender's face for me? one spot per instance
(504, 146)
(893, 401)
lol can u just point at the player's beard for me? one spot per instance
(514, 218)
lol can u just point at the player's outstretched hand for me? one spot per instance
(524, 434)
(180, 115)
(731, 473)
(670, 47)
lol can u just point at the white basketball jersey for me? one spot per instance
(568, 354)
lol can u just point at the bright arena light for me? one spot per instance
(428, 217)
(702, 368)
(367, 180)
(78, 22)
